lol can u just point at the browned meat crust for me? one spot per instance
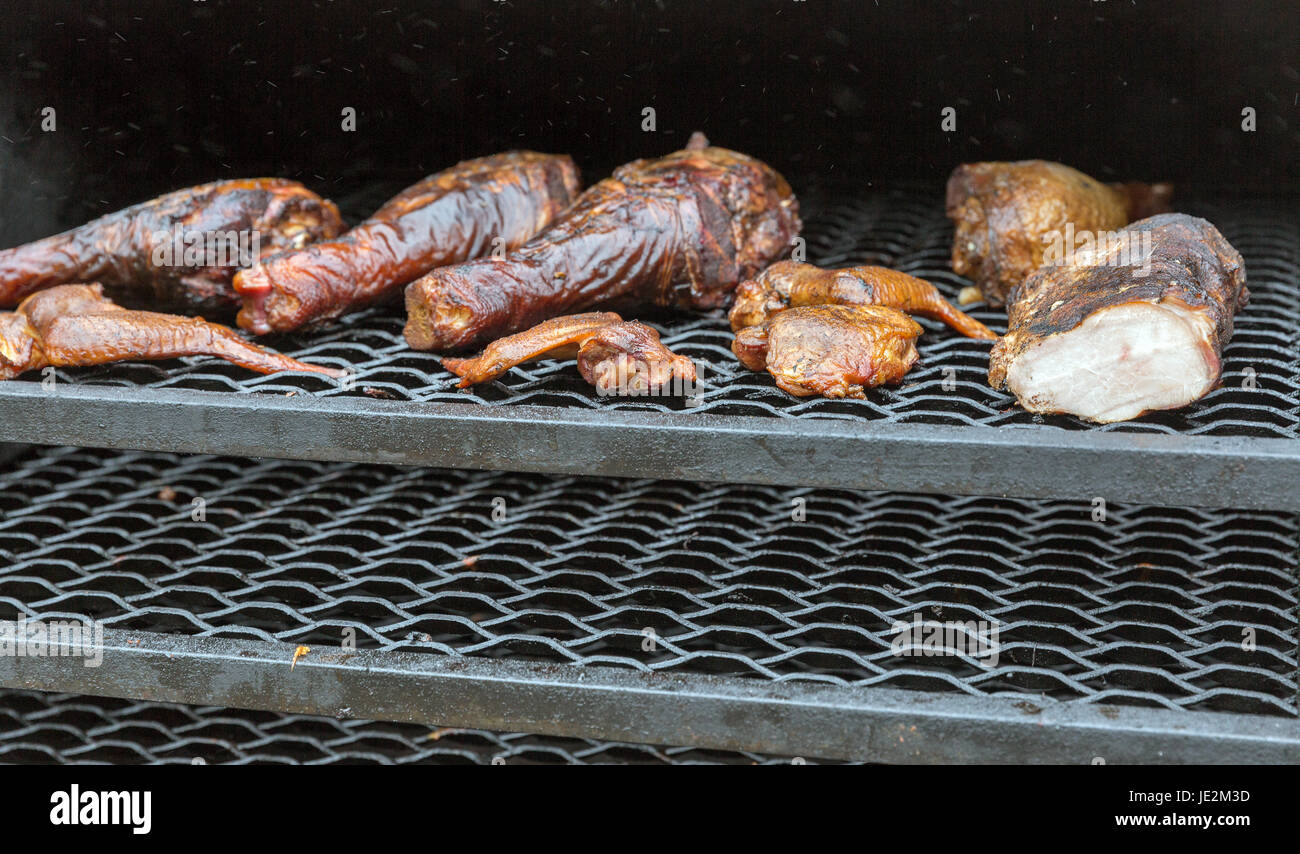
(682, 230)
(558, 338)
(831, 350)
(629, 358)
(1191, 266)
(788, 284)
(76, 325)
(119, 250)
(1002, 212)
(452, 216)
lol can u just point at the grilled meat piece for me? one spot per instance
(628, 358)
(831, 350)
(452, 216)
(682, 230)
(787, 284)
(178, 252)
(559, 338)
(76, 325)
(1006, 214)
(1131, 327)
(613, 355)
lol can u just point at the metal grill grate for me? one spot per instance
(904, 228)
(1146, 608)
(68, 728)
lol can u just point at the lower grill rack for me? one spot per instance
(644, 611)
(41, 728)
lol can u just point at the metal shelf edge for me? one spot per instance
(813, 721)
(1245, 473)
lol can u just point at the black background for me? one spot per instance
(281, 807)
(151, 96)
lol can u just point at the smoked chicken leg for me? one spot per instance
(789, 284)
(682, 230)
(76, 325)
(463, 212)
(629, 359)
(559, 337)
(831, 350)
(616, 356)
(178, 252)
(1006, 216)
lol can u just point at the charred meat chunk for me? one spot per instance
(1133, 326)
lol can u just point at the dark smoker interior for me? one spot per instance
(152, 96)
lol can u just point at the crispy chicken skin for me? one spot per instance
(76, 325)
(559, 337)
(681, 230)
(1003, 211)
(628, 358)
(1108, 340)
(123, 250)
(788, 284)
(831, 350)
(452, 216)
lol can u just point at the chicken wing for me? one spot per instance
(76, 325)
(1135, 326)
(1006, 214)
(559, 338)
(788, 284)
(178, 252)
(629, 359)
(831, 350)
(682, 230)
(463, 212)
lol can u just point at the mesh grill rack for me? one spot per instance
(70, 729)
(1139, 618)
(944, 430)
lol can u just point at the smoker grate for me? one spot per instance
(1148, 607)
(41, 728)
(903, 227)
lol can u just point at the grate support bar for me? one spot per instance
(814, 721)
(1170, 470)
